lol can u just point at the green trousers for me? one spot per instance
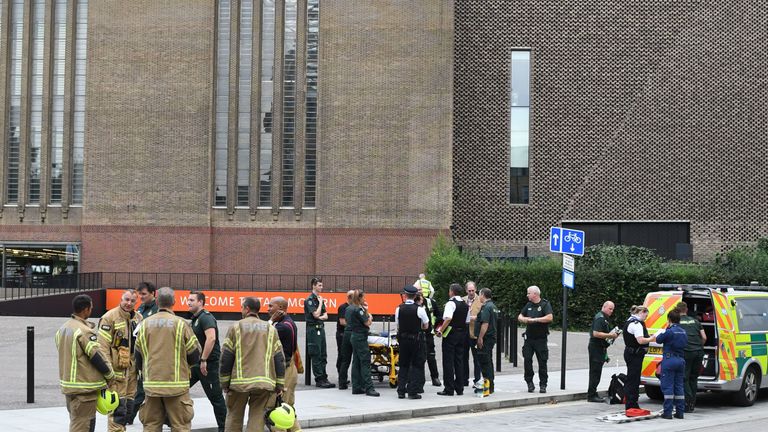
(345, 356)
(485, 357)
(212, 389)
(361, 363)
(317, 350)
(691, 377)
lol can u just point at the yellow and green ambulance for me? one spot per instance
(735, 320)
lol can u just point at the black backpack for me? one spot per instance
(616, 388)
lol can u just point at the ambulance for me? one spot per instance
(735, 320)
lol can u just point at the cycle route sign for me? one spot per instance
(567, 241)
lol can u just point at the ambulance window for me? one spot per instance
(752, 314)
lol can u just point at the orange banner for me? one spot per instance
(230, 301)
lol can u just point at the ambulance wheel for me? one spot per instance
(654, 392)
(749, 388)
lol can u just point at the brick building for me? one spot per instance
(341, 137)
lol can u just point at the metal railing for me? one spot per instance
(37, 285)
(23, 287)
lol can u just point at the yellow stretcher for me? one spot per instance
(385, 353)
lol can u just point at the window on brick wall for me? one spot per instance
(34, 103)
(520, 105)
(262, 72)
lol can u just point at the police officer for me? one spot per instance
(536, 315)
(166, 349)
(636, 340)
(316, 315)
(598, 349)
(260, 370)
(344, 355)
(83, 370)
(117, 341)
(147, 293)
(288, 333)
(485, 329)
(693, 353)
(359, 322)
(454, 327)
(411, 321)
(674, 341)
(435, 315)
(207, 372)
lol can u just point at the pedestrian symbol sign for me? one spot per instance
(568, 241)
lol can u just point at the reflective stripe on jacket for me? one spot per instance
(76, 342)
(115, 328)
(163, 342)
(248, 356)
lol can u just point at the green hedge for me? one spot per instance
(623, 274)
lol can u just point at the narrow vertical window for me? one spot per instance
(15, 42)
(289, 103)
(78, 123)
(244, 102)
(267, 85)
(519, 126)
(222, 104)
(57, 109)
(310, 156)
(36, 100)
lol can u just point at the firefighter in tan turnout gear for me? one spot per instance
(252, 368)
(117, 340)
(83, 370)
(166, 348)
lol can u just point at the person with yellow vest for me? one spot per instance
(83, 370)
(426, 286)
(252, 368)
(166, 349)
(117, 340)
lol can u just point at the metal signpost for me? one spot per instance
(567, 242)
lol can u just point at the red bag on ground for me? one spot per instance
(637, 412)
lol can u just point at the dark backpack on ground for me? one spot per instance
(616, 388)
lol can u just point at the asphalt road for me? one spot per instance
(714, 413)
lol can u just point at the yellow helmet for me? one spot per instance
(107, 402)
(282, 416)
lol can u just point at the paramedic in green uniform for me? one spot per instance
(316, 315)
(485, 329)
(693, 353)
(358, 324)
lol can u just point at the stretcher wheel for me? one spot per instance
(381, 378)
(392, 384)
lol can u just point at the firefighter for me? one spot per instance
(674, 341)
(117, 340)
(83, 369)
(147, 294)
(252, 368)
(166, 349)
(288, 332)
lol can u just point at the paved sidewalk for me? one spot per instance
(331, 407)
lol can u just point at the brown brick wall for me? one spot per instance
(642, 110)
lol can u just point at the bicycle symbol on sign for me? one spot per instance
(572, 238)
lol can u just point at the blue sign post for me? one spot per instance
(570, 242)
(563, 240)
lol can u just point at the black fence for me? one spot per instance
(23, 287)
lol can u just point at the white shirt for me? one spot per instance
(635, 328)
(450, 308)
(420, 312)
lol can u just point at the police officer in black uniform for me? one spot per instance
(454, 327)
(435, 319)
(411, 320)
(536, 315)
(636, 342)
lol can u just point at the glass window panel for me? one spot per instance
(519, 125)
(13, 151)
(267, 77)
(222, 103)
